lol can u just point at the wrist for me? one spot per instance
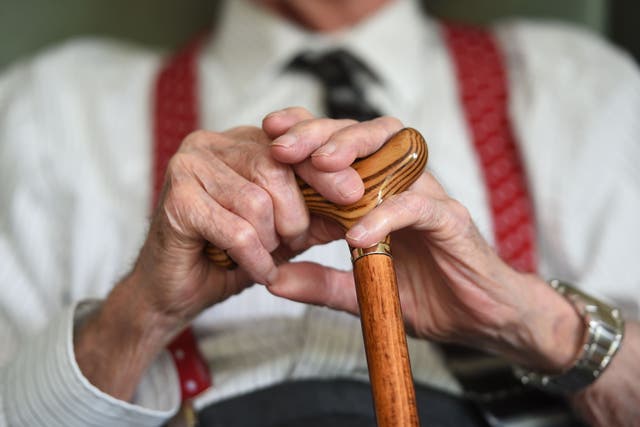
(604, 333)
(548, 332)
(117, 343)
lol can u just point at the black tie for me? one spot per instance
(342, 76)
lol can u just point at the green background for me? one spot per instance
(29, 25)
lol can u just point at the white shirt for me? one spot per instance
(75, 182)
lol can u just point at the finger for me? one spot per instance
(442, 217)
(193, 207)
(304, 137)
(355, 141)
(324, 230)
(342, 187)
(278, 122)
(253, 161)
(290, 212)
(313, 283)
(232, 191)
(321, 230)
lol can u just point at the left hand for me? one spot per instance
(453, 286)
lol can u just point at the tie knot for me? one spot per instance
(342, 76)
(333, 67)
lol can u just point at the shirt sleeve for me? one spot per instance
(43, 385)
(69, 228)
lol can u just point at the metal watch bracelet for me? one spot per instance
(605, 329)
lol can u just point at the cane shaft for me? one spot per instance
(385, 341)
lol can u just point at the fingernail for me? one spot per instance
(286, 141)
(357, 232)
(325, 150)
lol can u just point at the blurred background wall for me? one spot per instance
(29, 25)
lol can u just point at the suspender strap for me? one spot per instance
(175, 116)
(482, 86)
(483, 92)
(175, 107)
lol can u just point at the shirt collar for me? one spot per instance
(253, 45)
(391, 43)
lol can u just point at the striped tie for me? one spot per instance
(342, 76)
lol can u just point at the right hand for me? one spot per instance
(226, 189)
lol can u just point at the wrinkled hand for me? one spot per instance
(226, 189)
(453, 286)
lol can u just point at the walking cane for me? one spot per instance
(390, 170)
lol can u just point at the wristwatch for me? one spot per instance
(605, 329)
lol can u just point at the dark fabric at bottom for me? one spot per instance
(333, 403)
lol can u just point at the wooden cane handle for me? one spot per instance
(388, 171)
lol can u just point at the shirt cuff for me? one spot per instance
(44, 386)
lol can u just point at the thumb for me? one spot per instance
(316, 284)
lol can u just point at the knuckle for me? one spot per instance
(176, 163)
(180, 163)
(459, 212)
(307, 127)
(243, 237)
(178, 195)
(272, 175)
(256, 200)
(197, 138)
(180, 206)
(458, 218)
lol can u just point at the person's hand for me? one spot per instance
(453, 286)
(228, 190)
(222, 188)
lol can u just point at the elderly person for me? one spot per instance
(94, 290)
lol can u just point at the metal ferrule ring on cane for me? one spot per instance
(379, 248)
